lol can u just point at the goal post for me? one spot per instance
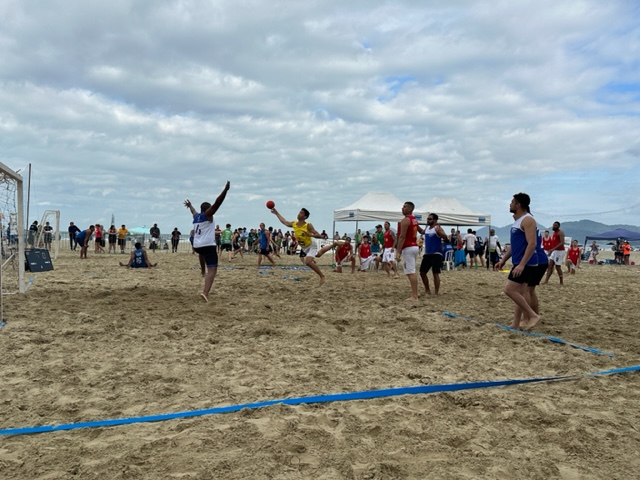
(12, 238)
(48, 235)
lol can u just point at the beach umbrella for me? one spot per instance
(141, 230)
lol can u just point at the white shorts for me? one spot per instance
(409, 259)
(366, 262)
(309, 251)
(557, 256)
(389, 255)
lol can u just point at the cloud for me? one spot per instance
(131, 108)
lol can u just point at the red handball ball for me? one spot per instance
(271, 204)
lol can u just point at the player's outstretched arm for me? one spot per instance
(216, 205)
(284, 221)
(187, 203)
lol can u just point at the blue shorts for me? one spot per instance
(210, 254)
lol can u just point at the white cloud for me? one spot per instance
(131, 108)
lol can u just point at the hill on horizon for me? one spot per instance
(576, 230)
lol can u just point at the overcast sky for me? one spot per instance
(130, 107)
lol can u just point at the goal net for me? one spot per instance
(48, 234)
(11, 235)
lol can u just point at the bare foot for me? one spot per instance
(412, 299)
(322, 280)
(533, 322)
(427, 292)
(514, 326)
(204, 297)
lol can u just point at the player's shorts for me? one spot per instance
(409, 259)
(537, 275)
(155, 240)
(525, 276)
(471, 253)
(112, 239)
(389, 255)
(557, 256)
(431, 261)
(309, 251)
(366, 262)
(225, 247)
(210, 254)
(265, 251)
(341, 261)
(122, 242)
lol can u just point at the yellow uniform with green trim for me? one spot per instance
(302, 234)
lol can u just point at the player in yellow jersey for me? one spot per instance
(305, 233)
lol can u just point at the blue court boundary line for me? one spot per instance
(2, 324)
(338, 397)
(533, 334)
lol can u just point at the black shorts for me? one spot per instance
(471, 253)
(537, 275)
(431, 261)
(265, 251)
(226, 247)
(525, 277)
(122, 242)
(210, 254)
(112, 239)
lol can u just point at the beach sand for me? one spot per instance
(93, 341)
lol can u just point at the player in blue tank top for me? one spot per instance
(522, 251)
(83, 238)
(138, 258)
(432, 259)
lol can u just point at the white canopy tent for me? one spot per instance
(451, 212)
(373, 207)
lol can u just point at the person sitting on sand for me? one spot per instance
(138, 258)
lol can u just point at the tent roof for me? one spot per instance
(373, 206)
(141, 230)
(615, 234)
(451, 212)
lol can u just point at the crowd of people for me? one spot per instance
(535, 256)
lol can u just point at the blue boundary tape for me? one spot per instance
(533, 334)
(2, 324)
(338, 397)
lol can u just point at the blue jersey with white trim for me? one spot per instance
(519, 243)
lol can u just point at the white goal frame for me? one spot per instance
(5, 174)
(48, 216)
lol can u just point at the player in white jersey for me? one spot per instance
(204, 237)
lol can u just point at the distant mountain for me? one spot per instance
(576, 230)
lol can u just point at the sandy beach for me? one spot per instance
(94, 341)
